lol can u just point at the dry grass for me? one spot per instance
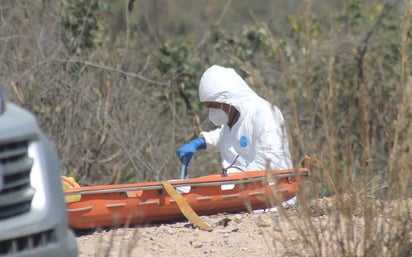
(343, 83)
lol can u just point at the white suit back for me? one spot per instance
(259, 138)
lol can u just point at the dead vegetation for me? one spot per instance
(114, 85)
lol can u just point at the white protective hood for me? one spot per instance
(224, 85)
(260, 133)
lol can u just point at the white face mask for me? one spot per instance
(218, 116)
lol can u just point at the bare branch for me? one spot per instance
(128, 74)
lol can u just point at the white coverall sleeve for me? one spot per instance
(212, 139)
(270, 143)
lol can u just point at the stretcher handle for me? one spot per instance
(183, 169)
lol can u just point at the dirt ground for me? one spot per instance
(276, 233)
(238, 235)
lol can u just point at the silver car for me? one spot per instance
(33, 219)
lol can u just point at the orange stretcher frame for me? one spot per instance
(139, 203)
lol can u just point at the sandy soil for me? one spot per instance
(233, 235)
(280, 233)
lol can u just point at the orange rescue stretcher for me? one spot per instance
(146, 202)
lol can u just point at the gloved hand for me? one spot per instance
(186, 152)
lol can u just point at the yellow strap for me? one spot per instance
(185, 207)
(69, 183)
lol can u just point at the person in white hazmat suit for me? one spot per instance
(251, 133)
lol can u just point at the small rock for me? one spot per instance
(263, 223)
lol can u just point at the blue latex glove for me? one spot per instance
(186, 152)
